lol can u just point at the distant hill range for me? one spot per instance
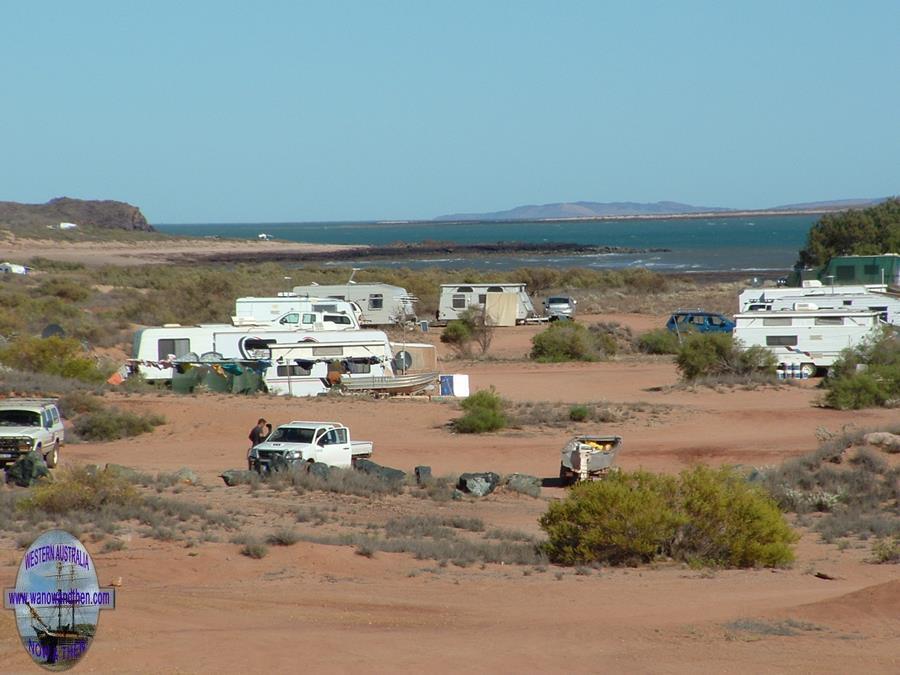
(105, 214)
(562, 210)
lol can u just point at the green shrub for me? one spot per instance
(80, 489)
(65, 289)
(713, 354)
(111, 424)
(458, 335)
(78, 402)
(866, 376)
(730, 522)
(579, 413)
(54, 355)
(484, 411)
(704, 516)
(570, 341)
(659, 341)
(626, 519)
(886, 550)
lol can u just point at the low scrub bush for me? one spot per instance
(111, 424)
(613, 336)
(704, 516)
(867, 376)
(713, 354)
(570, 341)
(886, 550)
(80, 489)
(579, 413)
(659, 341)
(854, 487)
(484, 412)
(54, 355)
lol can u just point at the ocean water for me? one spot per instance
(757, 243)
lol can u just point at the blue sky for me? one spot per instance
(306, 111)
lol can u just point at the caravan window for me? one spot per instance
(464, 289)
(178, 347)
(777, 321)
(257, 348)
(495, 289)
(376, 301)
(324, 308)
(482, 298)
(459, 302)
(293, 317)
(338, 319)
(871, 270)
(829, 321)
(328, 351)
(293, 371)
(357, 367)
(781, 340)
(337, 297)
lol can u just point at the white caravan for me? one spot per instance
(381, 304)
(503, 304)
(312, 368)
(154, 350)
(886, 304)
(341, 315)
(752, 299)
(810, 339)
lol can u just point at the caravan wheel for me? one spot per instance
(807, 370)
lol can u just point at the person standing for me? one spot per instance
(258, 433)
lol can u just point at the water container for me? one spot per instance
(423, 326)
(779, 371)
(795, 371)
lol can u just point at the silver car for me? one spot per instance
(559, 307)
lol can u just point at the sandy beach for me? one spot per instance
(144, 252)
(326, 609)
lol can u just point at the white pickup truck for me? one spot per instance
(294, 442)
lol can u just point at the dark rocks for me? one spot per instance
(234, 477)
(423, 475)
(26, 470)
(521, 482)
(386, 473)
(186, 476)
(318, 469)
(478, 484)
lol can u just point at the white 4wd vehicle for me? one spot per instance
(30, 424)
(295, 442)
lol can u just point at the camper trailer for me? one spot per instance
(154, 350)
(503, 304)
(886, 304)
(810, 339)
(252, 311)
(305, 368)
(753, 299)
(380, 304)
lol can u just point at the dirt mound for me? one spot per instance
(879, 602)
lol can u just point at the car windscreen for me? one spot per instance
(557, 301)
(20, 418)
(292, 435)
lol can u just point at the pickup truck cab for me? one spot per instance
(30, 424)
(299, 441)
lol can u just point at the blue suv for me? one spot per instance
(687, 320)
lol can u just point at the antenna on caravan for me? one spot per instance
(354, 270)
(831, 276)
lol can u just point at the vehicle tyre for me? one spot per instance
(52, 457)
(807, 370)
